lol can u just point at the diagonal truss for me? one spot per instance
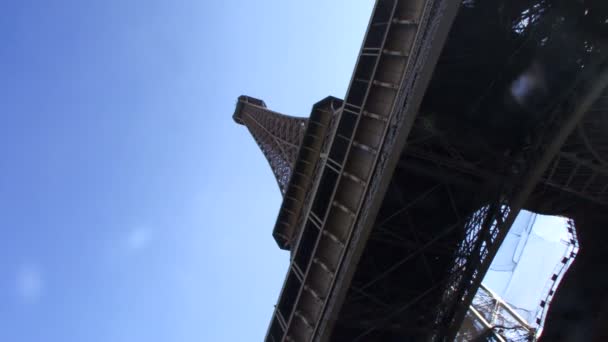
(488, 227)
(278, 136)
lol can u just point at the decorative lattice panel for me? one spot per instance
(278, 136)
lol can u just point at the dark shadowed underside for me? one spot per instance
(419, 178)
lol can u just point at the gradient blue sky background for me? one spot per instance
(132, 208)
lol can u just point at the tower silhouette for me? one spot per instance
(396, 199)
(292, 147)
(279, 136)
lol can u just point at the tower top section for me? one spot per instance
(279, 136)
(293, 148)
(241, 101)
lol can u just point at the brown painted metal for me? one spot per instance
(392, 222)
(305, 172)
(278, 135)
(362, 152)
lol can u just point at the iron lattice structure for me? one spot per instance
(405, 192)
(581, 167)
(489, 316)
(488, 227)
(279, 136)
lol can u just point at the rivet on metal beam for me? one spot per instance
(333, 237)
(323, 266)
(364, 147)
(313, 293)
(353, 178)
(394, 53)
(385, 84)
(298, 314)
(374, 116)
(404, 21)
(343, 208)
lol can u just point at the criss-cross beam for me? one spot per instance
(279, 136)
(487, 234)
(399, 281)
(395, 65)
(580, 168)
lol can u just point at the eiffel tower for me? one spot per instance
(396, 199)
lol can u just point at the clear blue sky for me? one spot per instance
(132, 208)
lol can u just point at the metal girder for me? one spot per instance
(499, 216)
(399, 52)
(449, 169)
(408, 205)
(410, 256)
(417, 259)
(433, 25)
(398, 309)
(394, 67)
